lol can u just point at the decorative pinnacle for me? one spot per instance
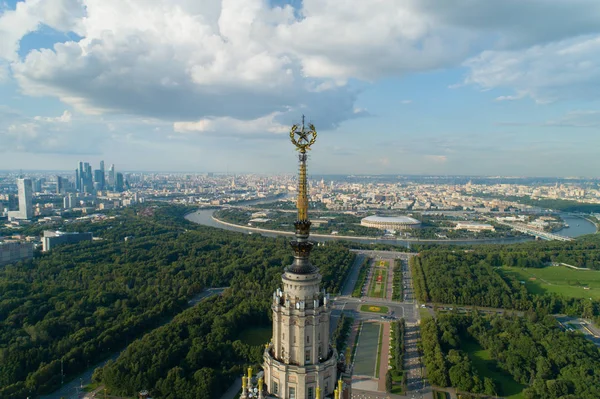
(303, 139)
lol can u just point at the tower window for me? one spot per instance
(319, 336)
(292, 393)
(294, 339)
(307, 339)
(311, 393)
(275, 387)
(307, 356)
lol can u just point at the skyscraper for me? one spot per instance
(111, 177)
(60, 185)
(119, 182)
(300, 362)
(25, 192)
(98, 179)
(25, 211)
(103, 182)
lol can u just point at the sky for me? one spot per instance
(470, 87)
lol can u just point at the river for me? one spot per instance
(205, 217)
(578, 226)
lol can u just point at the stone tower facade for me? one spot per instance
(299, 362)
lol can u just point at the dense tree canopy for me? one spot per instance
(553, 364)
(471, 277)
(82, 302)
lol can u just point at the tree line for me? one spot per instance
(80, 303)
(533, 350)
(471, 277)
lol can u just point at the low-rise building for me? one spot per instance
(52, 239)
(14, 251)
(474, 226)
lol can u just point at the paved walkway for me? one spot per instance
(412, 358)
(390, 280)
(231, 393)
(384, 356)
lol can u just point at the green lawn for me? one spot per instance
(256, 335)
(440, 395)
(365, 361)
(374, 309)
(378, 290)
(486, 366)
(424, 313)
(559, 280)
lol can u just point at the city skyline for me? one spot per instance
(422, 88)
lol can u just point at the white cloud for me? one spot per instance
(579, 118)
(264, 125)
(61, 15)
(569, 69)
(436, 158)
(224, 65)
(64, 118)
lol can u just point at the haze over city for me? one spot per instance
(420, 87)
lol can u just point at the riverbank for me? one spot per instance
(366, 238)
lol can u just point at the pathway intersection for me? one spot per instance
(372, 385)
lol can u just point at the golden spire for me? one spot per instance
(303, 138)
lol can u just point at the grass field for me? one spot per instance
(440, 395)
(486, 366)
(374, 309)
(256, 335)
(378, 289)
(424, 313)
(561, 280)
(365, 361)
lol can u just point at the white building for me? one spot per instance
(390, 223)
(474, 226)
(25, 204)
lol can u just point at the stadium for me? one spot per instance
(390, 223)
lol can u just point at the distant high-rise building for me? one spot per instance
(37, 185)
(111, 176)
(69, 201)
(25, 211)
(119, 183)
(60, 185)
(103, 175)
(98, 179)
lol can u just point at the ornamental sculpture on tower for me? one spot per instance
(299, 362)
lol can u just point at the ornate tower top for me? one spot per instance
(303, 138)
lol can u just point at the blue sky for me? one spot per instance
(416, 87)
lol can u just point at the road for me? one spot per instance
(406, 308)
(72, 389)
